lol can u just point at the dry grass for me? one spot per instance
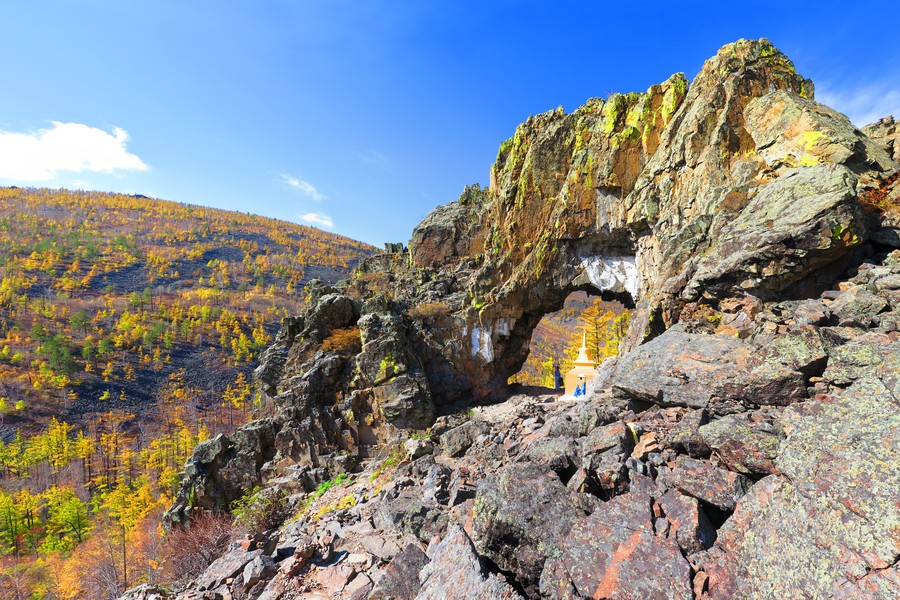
(345, 342)
(429, 310)
(877, 200)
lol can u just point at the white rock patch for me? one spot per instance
(482, 345)
(617, 274)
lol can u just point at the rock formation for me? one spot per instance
(744, 444)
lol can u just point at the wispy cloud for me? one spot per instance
(304, 187)
(373, 158)
(864, 105)
(318, 219)
(40, 155)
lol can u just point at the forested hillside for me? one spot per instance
(128, 330)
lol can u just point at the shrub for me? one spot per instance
(396, 457)
(187, 551)
(346, 502)
(876, 200)
(259, 511)
(429, 310)
(373, 284)
(345, 342)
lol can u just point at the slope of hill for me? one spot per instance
(128, 330)
(103, 297)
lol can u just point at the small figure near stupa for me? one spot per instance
(557, 377)
(581, 371)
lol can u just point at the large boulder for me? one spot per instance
(829, 525)
(456, 571)
(706, 371)
(522, 515)
(619, 551)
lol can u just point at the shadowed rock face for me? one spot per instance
(675, 199)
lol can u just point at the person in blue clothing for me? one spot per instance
(580, 387)
(557, 377)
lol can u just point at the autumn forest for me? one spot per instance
(129, 328)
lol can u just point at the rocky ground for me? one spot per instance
(752, 454)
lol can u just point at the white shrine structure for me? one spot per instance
(583, 369)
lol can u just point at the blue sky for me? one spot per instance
(360, 117)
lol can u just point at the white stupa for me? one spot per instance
(583, 369)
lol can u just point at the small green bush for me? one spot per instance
(258, 510)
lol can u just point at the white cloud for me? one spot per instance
(863, 105)
(74, 147)
(318, 219)
(304, 187)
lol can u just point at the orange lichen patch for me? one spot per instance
(609, 584)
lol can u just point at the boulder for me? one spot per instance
(405, 401)
(456, 441)
(828, 526)
(604, 452)
(407, 513)
(687, 522)
(849, 362)
(259, 569)
(800, 348)
(145, 591)
(455, 571)
(702, 371)
(618, 552)
(743, 446)
(702, 480)
(857, 303)
(417, 448)
(522, 514)
(885, 133)
(436, 487)
(561, 454)
(685, 435)
(400, 578)
(226, 567)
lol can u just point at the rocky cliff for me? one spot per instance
(744, 445)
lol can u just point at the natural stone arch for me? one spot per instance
(702, 186)
(503, 343)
